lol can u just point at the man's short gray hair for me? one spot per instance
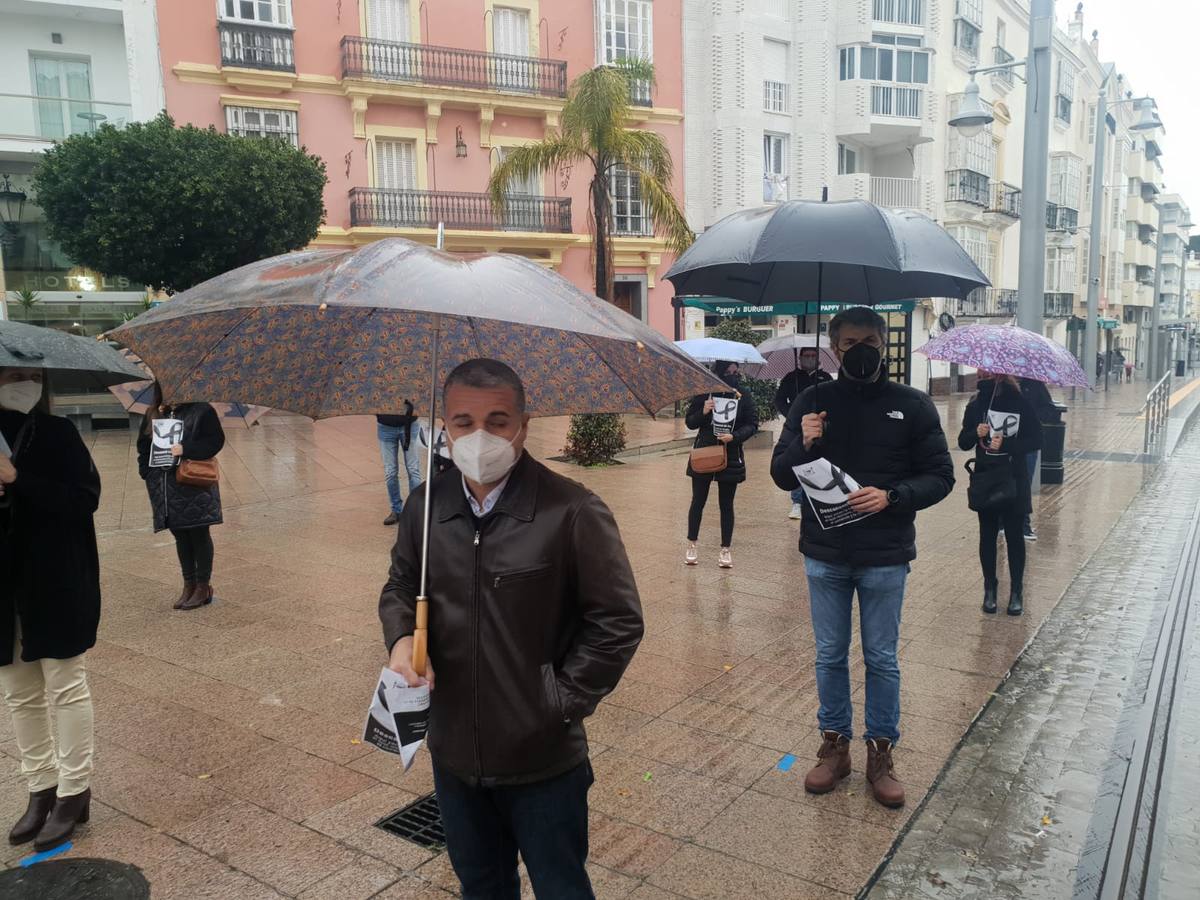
(486, 374)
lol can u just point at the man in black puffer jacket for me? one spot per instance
(889, 439)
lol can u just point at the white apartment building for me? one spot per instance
(67, 66)
(855, 98)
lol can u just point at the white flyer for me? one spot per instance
(827, 487)
(164, 434)
(398, 717)
(724, 414)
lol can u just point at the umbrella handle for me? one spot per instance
(420, 656)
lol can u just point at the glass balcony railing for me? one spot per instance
(55, 118)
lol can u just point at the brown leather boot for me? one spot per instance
(68, 812)
(834, 764)
(201, 596)
(27, 827)
(880, 772)
(189, 588)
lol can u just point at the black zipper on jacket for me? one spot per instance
(475, 650)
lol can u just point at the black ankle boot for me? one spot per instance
(27, 827)
(989, 597)
(1016, 602)
(68, 812)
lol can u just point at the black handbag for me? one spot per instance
(991, 487)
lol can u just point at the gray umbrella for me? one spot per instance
(852, 252)
(65, 357)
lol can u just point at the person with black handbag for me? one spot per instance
(1003, 428)
(707, 464)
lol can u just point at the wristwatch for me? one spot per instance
(893, 497)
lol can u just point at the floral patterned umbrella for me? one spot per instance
(1008, 350)
(136, 397)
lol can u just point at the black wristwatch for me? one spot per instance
(893, 497)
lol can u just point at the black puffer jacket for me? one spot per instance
(745, 426)
(885, 435)
(1018, 422)
(181, 506)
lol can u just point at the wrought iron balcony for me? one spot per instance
(388, 208)
(256, 46)
(1061, 218)
(1002, 57)
(965, 186)
(379, 60)
(1059, 305)
(988, 302)
(1006, 200)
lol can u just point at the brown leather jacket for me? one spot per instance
(533, 617)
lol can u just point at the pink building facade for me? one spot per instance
(412, 104)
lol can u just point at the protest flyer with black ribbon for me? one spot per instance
(724, 414)
(164, 434)
(827, 488)
(398, 717)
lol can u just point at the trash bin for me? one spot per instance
(1054, 436)
(1180, 368)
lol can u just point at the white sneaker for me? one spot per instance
(692, 556)
(725, 560)
(797, 511)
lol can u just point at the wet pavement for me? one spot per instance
(228, 761)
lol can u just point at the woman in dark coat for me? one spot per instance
(1003, 428)
(187, 511)
(745, 424)
(49, 604)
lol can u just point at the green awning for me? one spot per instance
(723, 306)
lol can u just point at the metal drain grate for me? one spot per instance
(419, 822)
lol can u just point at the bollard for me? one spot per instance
(1054, 437)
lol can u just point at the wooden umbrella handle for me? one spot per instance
(420, 655)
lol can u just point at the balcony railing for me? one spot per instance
(54, 118)
(423, 64)
(1059, 305)
(965, 186)
(888, 100)
(1002, 57)
(899, 12)
(256, 46)
(1006, 200)
(896, 193)
(988, 302)
(1061, 218)
(389, 208)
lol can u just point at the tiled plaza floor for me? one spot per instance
(228, 763)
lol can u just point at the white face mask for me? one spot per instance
(21, 396)
(484, 458)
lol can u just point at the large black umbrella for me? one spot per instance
(65, 357)
(852, 252)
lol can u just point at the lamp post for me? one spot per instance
(1149, 120)
(973, 116)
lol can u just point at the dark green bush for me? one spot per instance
(595, 439)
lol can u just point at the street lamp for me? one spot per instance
(12, 204)
(972, 116)
(1148, 121)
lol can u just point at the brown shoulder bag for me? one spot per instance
(200, 473)
(709, 460)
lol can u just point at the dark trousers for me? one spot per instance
(195, 549)
(546, 821)
(990, 524)
(725, 492)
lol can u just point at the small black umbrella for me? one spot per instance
(851, 252)
(64, 356)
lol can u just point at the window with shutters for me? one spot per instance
(259, 12)
(1065, 181)
(248, 121)
(1060, 270)
(625, 30)
(975, 241)
(522, 204)
(630, 215)
(1064, 97)
(775, 189)
(388, 20)
(514, 70)
(396, 165)
(775, 80)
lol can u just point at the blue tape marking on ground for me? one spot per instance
(787, 762)
(41, 857)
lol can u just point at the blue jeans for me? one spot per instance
(831, 588)
(391, 446)
(798, 495)
(547, 821)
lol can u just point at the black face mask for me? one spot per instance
(733, 379)
(861, 362)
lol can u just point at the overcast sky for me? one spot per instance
(1154, 44)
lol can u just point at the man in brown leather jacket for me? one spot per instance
(533, 617)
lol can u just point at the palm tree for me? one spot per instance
(596, 130)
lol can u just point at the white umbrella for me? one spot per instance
(711, 350)
(783, 354)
